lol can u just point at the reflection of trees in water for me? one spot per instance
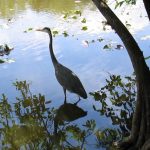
(29, 123)
(33, 123)
(117, 102)
(10, 8)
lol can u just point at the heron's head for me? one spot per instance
(45, 29)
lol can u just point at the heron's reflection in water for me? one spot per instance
(66, 113)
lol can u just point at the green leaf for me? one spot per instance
(147, 58)
(127, 24)
(27, 102)
(100, 39)
(74, 17)
(90, 124)
(65, 34)
(1, 61)
(84, 28)
(96, 95)
(78, 12)
(55, 33)
(65, 15)
(123, 114)
(28, 30)
(119, 4)
(107, 46)
(83, 20)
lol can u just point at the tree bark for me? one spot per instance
(140, 132)
(147, 7)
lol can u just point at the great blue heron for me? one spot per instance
(67, 79)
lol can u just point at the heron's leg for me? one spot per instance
(77, 101)
(65, 95)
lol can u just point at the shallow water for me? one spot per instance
(90, 61)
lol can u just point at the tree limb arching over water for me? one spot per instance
(147, 7)
(140, 133)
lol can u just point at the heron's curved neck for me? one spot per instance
(54, 60)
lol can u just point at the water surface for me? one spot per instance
(90, 62)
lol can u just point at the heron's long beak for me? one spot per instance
(39, 30)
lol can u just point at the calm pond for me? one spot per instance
(82, 44)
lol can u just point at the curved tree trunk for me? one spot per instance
(147, 7)
(140, 133)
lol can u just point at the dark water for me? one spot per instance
(89, 61)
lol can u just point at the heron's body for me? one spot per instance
(67, 79)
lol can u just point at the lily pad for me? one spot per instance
(83, 20)
(84, 28)
(28, 30)
(65, 34)
(100, 39)
(78, 12)
(74, 17)
(107, 46)
(65, 16)
(55, 32)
